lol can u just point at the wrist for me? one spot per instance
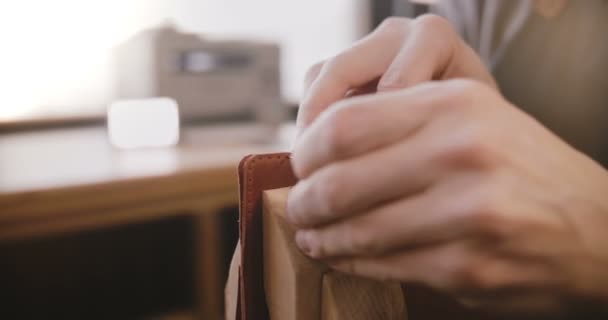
(592, 220)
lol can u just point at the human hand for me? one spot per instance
(400, 53)
(448, 184)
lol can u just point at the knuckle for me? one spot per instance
(471, 147)
(474, 140)
(468, 93)
(330, 190)
(465, 85)
(434, 23)
(393, 24)
(338, 130)
(313, 72)
(363, 241)
(454, 93)
(464, 92)
(488, 218)
(336, 69)
(474, 150)
(479, 274)
(334, 66)
(349, 266)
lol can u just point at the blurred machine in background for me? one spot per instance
(210, 80)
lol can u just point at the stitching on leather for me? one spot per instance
(251, 182)
(280, 157)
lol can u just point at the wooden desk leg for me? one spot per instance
(208, 266)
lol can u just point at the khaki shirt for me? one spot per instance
(555, 68)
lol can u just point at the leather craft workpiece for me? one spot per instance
(276, 281)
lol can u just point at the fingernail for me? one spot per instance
(303, 241)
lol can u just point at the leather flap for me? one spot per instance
(256, 174)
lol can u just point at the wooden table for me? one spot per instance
(69, 180)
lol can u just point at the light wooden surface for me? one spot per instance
(47, 159)
(57, 173)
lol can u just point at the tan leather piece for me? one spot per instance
(348, 297)
(292, 281)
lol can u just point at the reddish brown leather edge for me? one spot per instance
(256, 174)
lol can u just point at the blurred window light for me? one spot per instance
(56, 55)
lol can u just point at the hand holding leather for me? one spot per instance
(448, 184)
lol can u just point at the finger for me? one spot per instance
(427, 52)
(348, 187)
(359, 125)
(439, 214)
(311, 75)
(435, 266)
(367, 88)
(459, 268)
(433, 50)
(353, 68)
(468, 204)
(368, 164)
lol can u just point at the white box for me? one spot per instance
(143, 123)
